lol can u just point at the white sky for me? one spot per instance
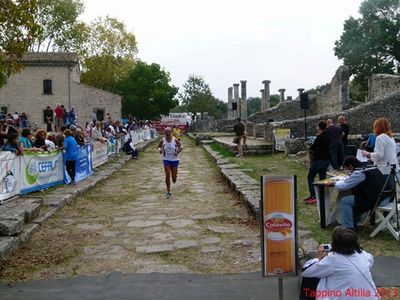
(289, 42)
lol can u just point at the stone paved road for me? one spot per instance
(126, 224)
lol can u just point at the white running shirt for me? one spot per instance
(169, 150)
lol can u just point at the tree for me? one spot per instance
(371, 44)
(109, 53)
(146, 91)
(57, 19)
(253, 105)
(318, 89)
(17, 30)
(197, 97)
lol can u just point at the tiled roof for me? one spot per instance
(50, 57)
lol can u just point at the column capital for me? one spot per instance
(300, 90)
(262, 90)
(243, 81)
(266, 81)
(236, 84)
(281, 90)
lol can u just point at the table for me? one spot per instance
(325, 192)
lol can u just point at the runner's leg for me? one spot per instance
(167, 170)
(174, 173)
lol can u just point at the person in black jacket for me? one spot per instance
(320, 160)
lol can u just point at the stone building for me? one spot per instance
(51, 78)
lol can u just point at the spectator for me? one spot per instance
(24, 123)
(15, 117)
(3, 132)
(108, 119)
(319, 161)
(343, 271)
(59, 140)
(335, 144)
(40, 139)
(342, 123)
(366, 186)
(48, 118)
(71, 118)
(71, 154)
(385, 153)
(79, 136)
(94, 116)
(13, 144)
(59, 112)
(65, 115)
(240, 132)
(50, 142)
(26, 138)
(369, 143)
(97, 133)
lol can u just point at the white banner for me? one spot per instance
(9, 173)
(281, 135)
(99, 155)
(40, 170)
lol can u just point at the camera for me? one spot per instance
(327, 247)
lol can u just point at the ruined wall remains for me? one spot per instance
(380, 85)
(360, 118)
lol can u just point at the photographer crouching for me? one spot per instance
(341, 270)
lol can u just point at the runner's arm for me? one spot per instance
(180, 147)
(159, 148)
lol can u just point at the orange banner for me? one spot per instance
(279, 226)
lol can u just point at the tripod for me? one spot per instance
(388, 190)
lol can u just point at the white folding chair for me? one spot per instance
(390, 220)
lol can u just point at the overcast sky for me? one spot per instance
(289, 42)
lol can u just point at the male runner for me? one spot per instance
(170, 147)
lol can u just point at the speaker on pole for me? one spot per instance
(304, 101)
(234, 106)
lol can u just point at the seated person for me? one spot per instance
(369, 143)
(366, 185)
(344, 269)
(13, 144)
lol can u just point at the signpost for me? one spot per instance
(279, 228)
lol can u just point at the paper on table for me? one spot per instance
(360, 156)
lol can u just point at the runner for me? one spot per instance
(169, 147)
(176, 132)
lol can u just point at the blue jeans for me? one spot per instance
(347, 214)
(317, 167)
(337, 154)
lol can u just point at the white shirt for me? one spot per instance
(385, 153)
(170, 150)
(338, 275)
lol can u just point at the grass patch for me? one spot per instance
(220, 150)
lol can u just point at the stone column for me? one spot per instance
(230, 100)
(267, 95)
(300, 90)
(236, 99)
(243, 100)
(262, 100)
(282, 97)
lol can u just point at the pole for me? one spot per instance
(305, 125)
(280, 280)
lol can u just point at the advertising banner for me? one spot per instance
(40, 170)
(112, 147)
(99, 154)
(9, 173)
(281, 135)
(84, 163)
(278, 226)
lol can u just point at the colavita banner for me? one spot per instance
(99, 154)
(279, 226)
(40, 170)
(84, 163)
(281, 135)
(9, 172)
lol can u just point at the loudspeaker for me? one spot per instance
(304, 101)
(234, 105)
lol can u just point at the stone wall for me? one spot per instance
(360, 118)
(209, 124)
(380, 85)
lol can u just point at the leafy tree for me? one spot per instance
(318, 89)
(146, 91)
(57, 19)
(197, 97)
(371, 44)
(275, 98)
(253, 105)
(17, 30)
(109, 53)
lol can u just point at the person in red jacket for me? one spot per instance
(59, 112)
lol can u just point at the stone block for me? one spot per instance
(10, 227)
(7, 246)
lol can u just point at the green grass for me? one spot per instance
(278, 164)
(220, 150)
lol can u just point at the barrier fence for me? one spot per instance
(34, 171)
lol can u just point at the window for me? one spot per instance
(4, 109)
(47, 87)
(100, 114)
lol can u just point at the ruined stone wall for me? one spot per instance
(380, 85)
(360, 118)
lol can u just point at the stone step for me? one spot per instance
(14, 214)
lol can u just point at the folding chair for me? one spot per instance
(387, 217)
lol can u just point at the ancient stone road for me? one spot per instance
(126, 224)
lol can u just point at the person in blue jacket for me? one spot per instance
(71, 153)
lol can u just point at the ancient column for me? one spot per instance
(236, 113)
(243, 100)
(300, 90)
(267, 95)
(230, 100)
(282, 96)
(262, 100)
